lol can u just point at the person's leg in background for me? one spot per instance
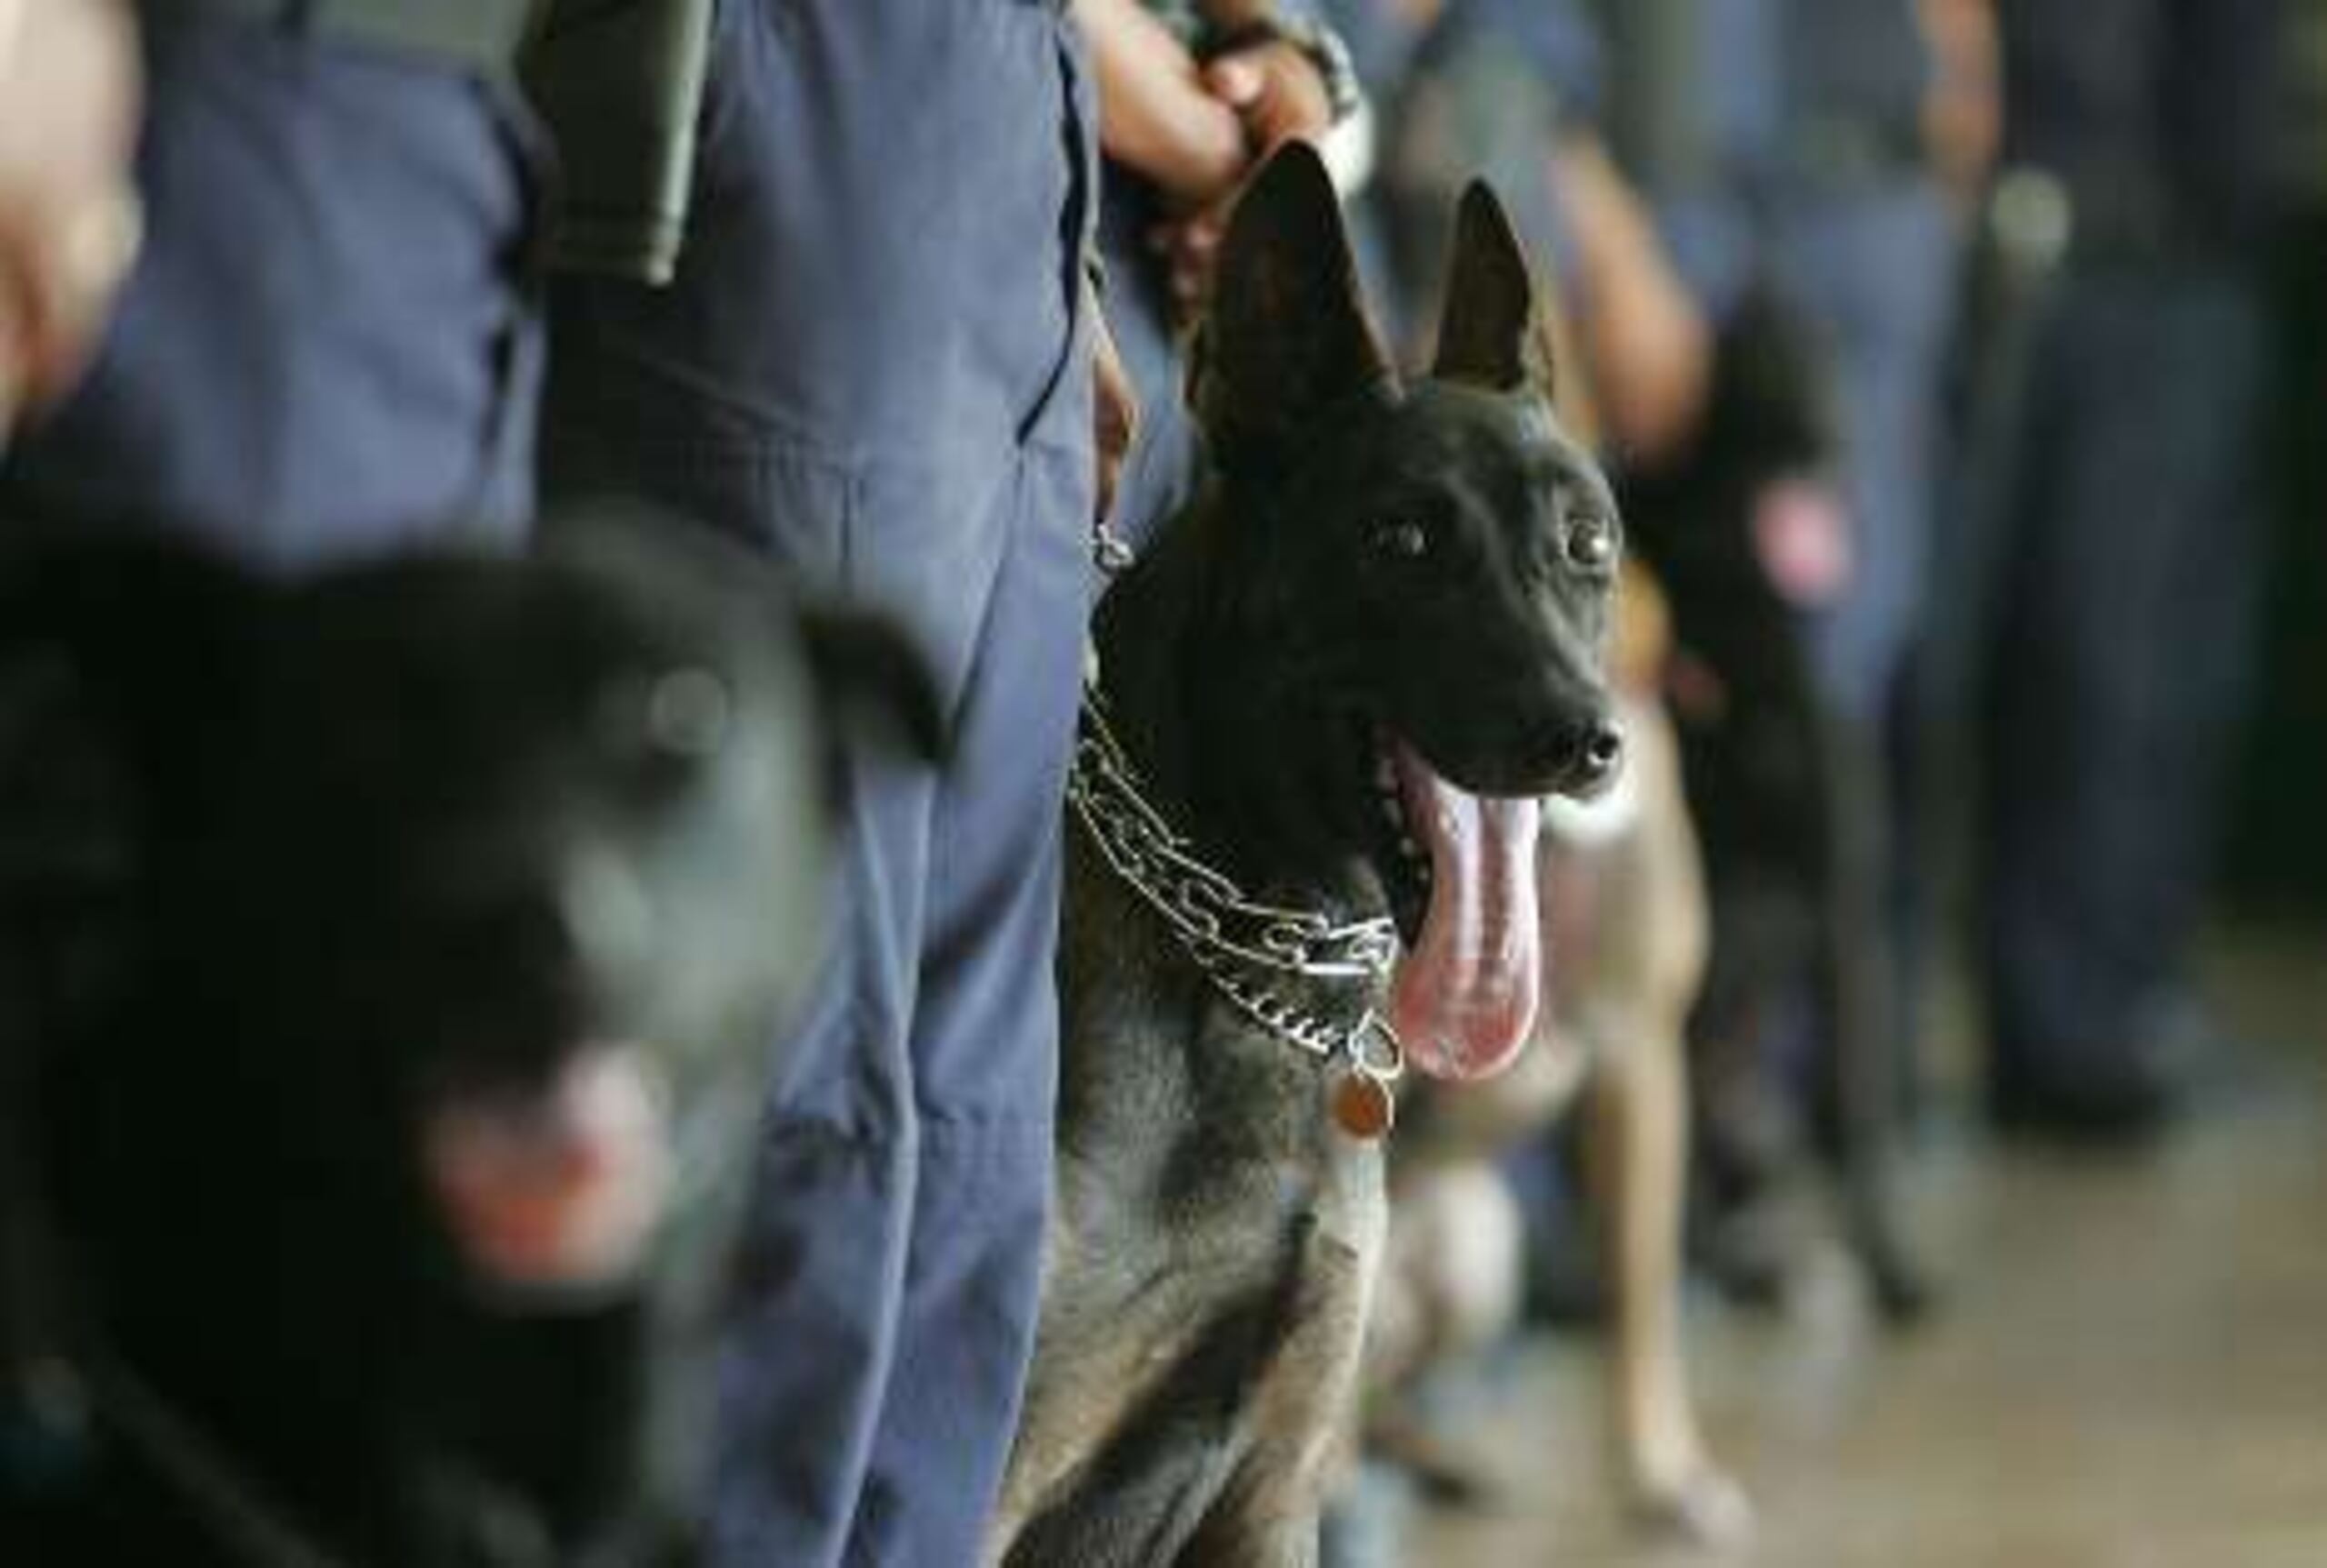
(985, 1028)
(328, 346)
(1871, 268)
(2115, 688)
(1876, 270)
(873, 363)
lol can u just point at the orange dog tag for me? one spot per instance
(1363, 1106)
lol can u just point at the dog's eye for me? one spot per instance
(1403, 538)
(1591, 543)
(665, 722)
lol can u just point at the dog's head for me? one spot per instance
(1415, 579)
(448, 908)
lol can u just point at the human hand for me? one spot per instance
(1278, 95)
(1115, 409)
(1276, 91)
(68, 215)
(1156, 115)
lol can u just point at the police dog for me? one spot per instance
(1327, 702)
(393, 960)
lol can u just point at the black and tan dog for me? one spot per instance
(391, 962)
(1331, 693)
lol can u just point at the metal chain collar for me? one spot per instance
(1223, 931)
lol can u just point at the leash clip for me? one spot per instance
(1111, 551)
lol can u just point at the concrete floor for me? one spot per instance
(2130, 1372)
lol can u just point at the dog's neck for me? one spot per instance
(1140, 632)
(1177, 683)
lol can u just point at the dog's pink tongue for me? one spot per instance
(1464, 999)
(558, 1187)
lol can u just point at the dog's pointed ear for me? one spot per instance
(1489, 333)
(1287, 335)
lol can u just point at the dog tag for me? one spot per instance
(1363, 1106)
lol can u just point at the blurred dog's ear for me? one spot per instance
(873, 682)
(1287, 335)
(1490, 332)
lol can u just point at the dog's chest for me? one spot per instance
(1216, 1234)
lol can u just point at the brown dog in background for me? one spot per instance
(1624, 913)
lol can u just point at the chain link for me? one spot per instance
(1221, 929)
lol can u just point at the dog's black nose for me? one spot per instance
(1601, 754)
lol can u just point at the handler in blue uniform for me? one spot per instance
(2128, 549)
(875, 361)
(327, 348)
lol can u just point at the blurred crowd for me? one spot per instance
(833, 276)
(2031, 241)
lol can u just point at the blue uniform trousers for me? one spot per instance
(872, 363)
(2130, 553)
(1875, 269)
(329, 345)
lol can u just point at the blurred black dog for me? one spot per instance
(390, 968)
(1745, 533)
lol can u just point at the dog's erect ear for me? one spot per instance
(1287, 335)
(873, 682)
(1490, 334)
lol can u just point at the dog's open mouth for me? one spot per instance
(1460, 871)
(554, 1189)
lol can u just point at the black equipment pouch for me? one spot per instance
(620, 84)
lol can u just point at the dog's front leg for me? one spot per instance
(1637, 1141)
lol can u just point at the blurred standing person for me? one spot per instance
(2127, 534)
(874, 358)
(1799, 143)
(328, 344)
(1193, 94)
